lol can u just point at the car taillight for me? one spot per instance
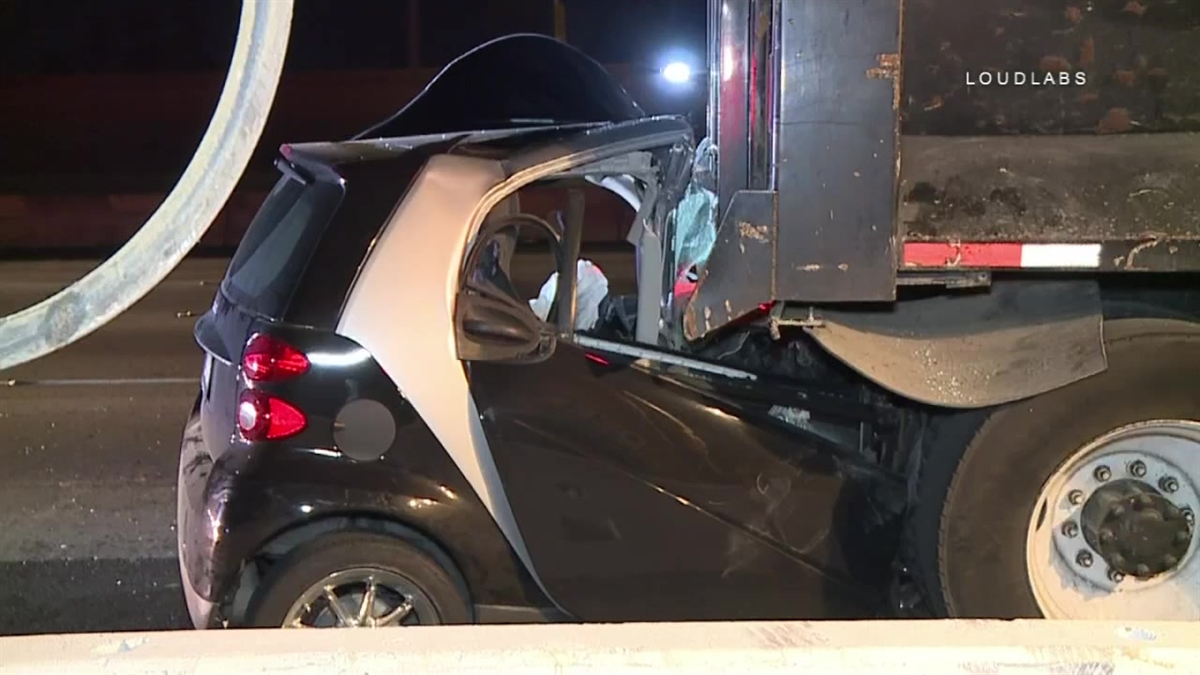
(262, 417)
(269, 359)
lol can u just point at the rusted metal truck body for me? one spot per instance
(867, 146)
(988, 213)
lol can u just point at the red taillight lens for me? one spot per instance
(262, 417)
(269, 359)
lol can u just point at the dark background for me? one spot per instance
(152, 36)
(102, 102)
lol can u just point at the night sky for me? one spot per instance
(127, 86)
(93, 36)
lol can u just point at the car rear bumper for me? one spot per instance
(193, 547)
(198, 609)
(221, 520)
(226, 513)
(201, 611)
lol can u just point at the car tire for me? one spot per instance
(983, 471)
(310, 563)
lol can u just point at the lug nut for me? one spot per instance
(1189, 517)
(1168, 484)
(1137, 468)
(1102, 473)
(1075, 497)
(1084, 559)
(1115, 576)
(1070, 529)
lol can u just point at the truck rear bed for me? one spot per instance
(1136, 196)
(1110, 158)
(861, 149)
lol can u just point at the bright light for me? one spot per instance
(677, 72)
(727, 64)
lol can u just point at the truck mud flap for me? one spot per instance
(1016, 340)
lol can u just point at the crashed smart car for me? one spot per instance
(404, 420)
(390, 433)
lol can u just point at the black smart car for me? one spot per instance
(389, 432)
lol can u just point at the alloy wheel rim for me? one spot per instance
(361, 597)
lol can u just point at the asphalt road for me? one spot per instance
(88, 446)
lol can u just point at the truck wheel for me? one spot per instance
(1076, 504)
(357, 580)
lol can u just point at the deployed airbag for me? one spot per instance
(591, 287)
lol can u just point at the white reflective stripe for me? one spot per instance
(1060, 255)
(646, 356)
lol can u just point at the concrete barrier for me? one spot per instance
(749, 648)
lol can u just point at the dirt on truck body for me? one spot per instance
(1051, 67)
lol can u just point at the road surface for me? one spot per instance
(88, 447)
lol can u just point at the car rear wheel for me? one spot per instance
(1076, 504)
(358, 580)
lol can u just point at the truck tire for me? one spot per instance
(347, 562)
(1016, 512)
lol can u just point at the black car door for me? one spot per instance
(650, 486)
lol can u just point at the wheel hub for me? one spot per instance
(1112, 535)
(360, 598)
(1136, 530)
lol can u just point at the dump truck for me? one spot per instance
(980, 220)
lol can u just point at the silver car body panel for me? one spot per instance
(401, 307)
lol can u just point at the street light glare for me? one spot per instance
(677, 72)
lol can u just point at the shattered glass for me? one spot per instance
(695, 227)
(696, 216)
(704, 166)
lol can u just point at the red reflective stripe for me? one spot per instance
(926, 254)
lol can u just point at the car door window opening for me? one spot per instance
(649, 186)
